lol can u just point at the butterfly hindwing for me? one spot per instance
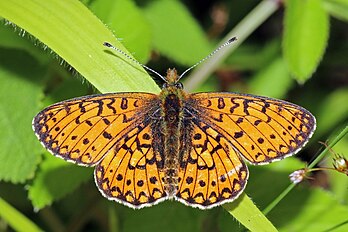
(261, 129)
(211, 172)
(131, 173)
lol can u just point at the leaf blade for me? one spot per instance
(20, 94)
(78, 38)
(305, 36)
(246, 212)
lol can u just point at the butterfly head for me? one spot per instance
(172, 84)
(172, 80)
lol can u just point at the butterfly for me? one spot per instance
(147, 148)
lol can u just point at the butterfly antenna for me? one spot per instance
(106, 44)
(210, 55)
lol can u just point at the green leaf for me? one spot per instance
(20, 94)
(127, 22)
(337, 8)
(78, 38)
(16, 219)
(246, 212)
(310, 210)
(273, 80)
(55, 179)
(305, 36)
(175, 33)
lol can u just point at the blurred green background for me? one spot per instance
(52, 50)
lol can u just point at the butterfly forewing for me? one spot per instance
(84, 129)
(211, 172)
(261, 129)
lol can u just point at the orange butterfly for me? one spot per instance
(190, 147)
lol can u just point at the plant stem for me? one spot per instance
(248, 25)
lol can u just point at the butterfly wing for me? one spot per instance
(132, 173)
(211, 172)
(114, 132)
(83, 130)
(260, 129)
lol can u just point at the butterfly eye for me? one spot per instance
(165, 85)
(179, 85)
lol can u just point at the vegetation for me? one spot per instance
(294, 50)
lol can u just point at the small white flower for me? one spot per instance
(297, 176)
